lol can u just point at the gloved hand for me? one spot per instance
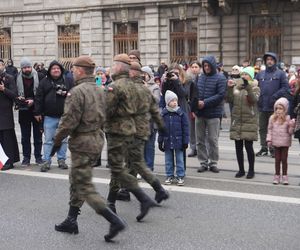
(246, 83)
(185, 146)
(161, 147)
(162, 130)
(55, 148)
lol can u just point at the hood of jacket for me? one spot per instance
(212, 62)
(59, 65)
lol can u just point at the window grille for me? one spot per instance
(183, 41)
(125, 37)
(68, 42)
(5, 44)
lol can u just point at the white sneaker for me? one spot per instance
(180, 181)
(169, 181)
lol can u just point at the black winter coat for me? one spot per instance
(6, 102)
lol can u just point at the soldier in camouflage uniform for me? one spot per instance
(121, 107)
(147, 109)
(83, 118)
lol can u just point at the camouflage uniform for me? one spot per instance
(148, 109)
(82, 119)
(121, 100)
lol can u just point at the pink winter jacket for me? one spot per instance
(280, 134)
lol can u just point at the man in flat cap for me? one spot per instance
(83, 118)
(148, 109)
(121, 107)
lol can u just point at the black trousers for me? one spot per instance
(239, 145)
(9, 143)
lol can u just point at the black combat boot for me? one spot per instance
(146, 202)
(116, 224)
(123, 195)
(161, 193)
(111, 201)
(69, 225)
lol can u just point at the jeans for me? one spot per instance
(169, 162)
(50, 126)
(149, 152)
(26, 136)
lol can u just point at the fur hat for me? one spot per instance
(84, 61)
(236, 70)
(25, 62)
(135, 53)
(148, 70)
(283, 102)
(169, 96)
(124, 58)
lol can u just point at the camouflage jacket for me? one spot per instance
(121, 106)
(147, 109)
(83, 118)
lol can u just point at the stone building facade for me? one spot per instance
(180, 31)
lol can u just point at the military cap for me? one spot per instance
(84, 61)
(124, 58)
(135, 66)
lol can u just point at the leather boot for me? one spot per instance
(123, 195)
(69, 225)
(146, 202)
(116, 224)
(111, 201)
(161, 193)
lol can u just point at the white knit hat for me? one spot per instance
(169, 96)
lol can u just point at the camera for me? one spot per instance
(61, 90)
(21, 104)
(171, 74)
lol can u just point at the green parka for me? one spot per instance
(244, 117)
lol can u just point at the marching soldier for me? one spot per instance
(121, 107)
(83, 118)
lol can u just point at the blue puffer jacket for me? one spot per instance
(177, 129)
(211, 89)
(273, 84)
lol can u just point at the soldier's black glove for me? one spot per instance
(161, 147)
(55, 148)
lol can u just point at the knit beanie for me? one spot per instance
(249, 71)
(25, 62)
(98, 69)
(169, 96)
(284, 102)
(148, 70)
(136, 53)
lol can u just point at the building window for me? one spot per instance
(125, 37)
(68, 42)
(183, 40)
(265, 35)
(5, 44)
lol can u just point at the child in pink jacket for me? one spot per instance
(280, 130)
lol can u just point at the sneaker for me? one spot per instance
(285, 180)
(169, 181)
(45, 166)
(276, 179)
(139, 177)
(214, 169)
(39, 161)
(62, 164)
(25, 162)
(180, 181)
(192, 153)
(203, 167)
(262, 152)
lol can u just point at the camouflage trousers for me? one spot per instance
(81, 187)
(117, 148)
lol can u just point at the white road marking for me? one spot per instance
(229, 194)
